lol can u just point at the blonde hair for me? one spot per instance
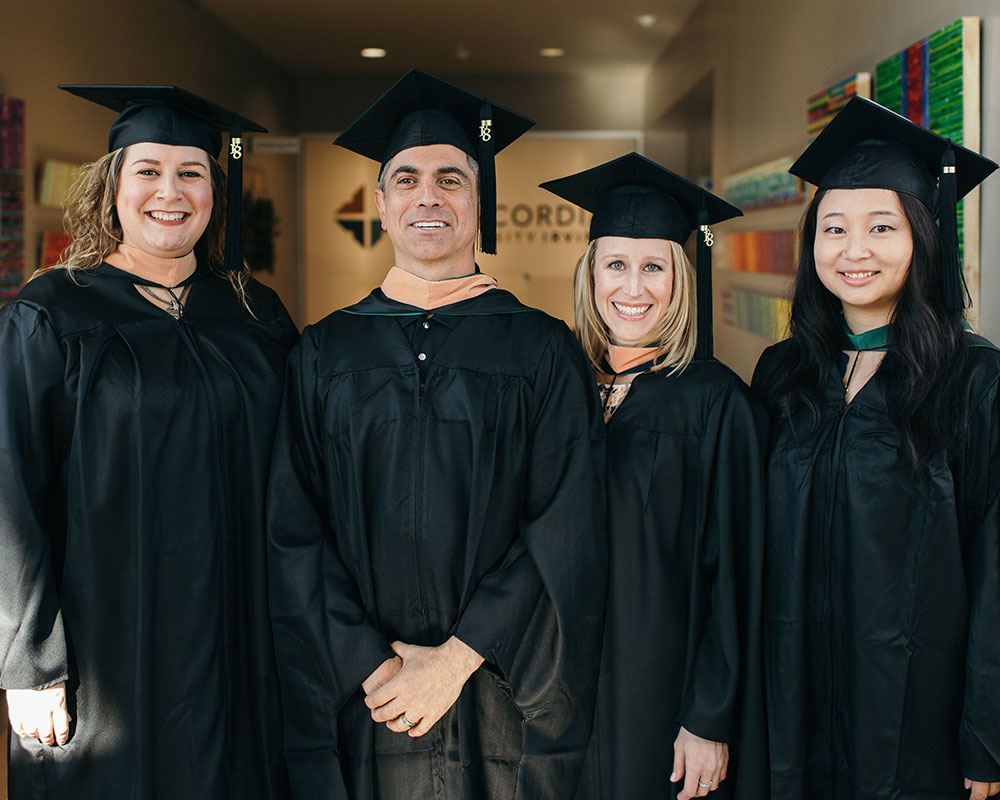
(91, 219)
(675, 335)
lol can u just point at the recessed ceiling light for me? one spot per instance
(373, 52)
(551, 52)
(646, 20)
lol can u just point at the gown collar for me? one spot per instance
(405, 287)
(875, 339)
(624, 359)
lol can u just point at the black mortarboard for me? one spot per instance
(636, 198)
(421, 109)
(171, 115)
(867, 146)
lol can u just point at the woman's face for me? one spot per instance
(633, 281)
(164, 198)
(863, 249)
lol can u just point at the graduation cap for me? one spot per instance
(867, 146)
(421, 109)
(171, 115)
(636, 198)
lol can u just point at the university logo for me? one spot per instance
(362, 224)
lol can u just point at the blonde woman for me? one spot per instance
(139, 381)
(679, 690)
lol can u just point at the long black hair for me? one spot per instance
(927, 343)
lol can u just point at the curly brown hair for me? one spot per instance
(92, 221)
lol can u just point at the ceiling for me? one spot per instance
(454, 37)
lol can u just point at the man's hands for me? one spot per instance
(414, 690)
(39, 714)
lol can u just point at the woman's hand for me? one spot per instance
(980, 790)
(703, 762)
(39, 714)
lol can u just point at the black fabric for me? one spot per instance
(426, 335)
(634, 197)
(681, 641)
(474, 510)
(431, 126)
(867, 146)
(882, 598)
(162, 114)
(416, 774)
(640, 212)
(422, 109)
(133, 457)
(878, 164)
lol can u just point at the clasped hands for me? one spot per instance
(413, 690)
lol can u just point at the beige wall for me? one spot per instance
(765, 59)
(137, 41)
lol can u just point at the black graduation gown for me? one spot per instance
(681, 638)
(882, 601)
(133, 462)
(469, 503)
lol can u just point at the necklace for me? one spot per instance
(854, 366)
(876, 340)
(850, 375)
(174, 304)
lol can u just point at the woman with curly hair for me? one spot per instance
(679, 708)
(882, 592)
(139, 380)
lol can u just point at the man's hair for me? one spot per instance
(382, 173)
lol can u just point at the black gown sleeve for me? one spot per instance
(314, 600)
(500, 609)
(33, 652)
(538, 616)
(979, 732)
(726, 656)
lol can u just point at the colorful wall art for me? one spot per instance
(935, 83)
(823, 106)
(762, 314)
(11, 196)
(771, 252)
(763, 187)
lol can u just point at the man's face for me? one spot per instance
(430, 209)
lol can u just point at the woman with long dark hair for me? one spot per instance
(679, 704)
(882, 594)
(139, 383)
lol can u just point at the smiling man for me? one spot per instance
(437, 552)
